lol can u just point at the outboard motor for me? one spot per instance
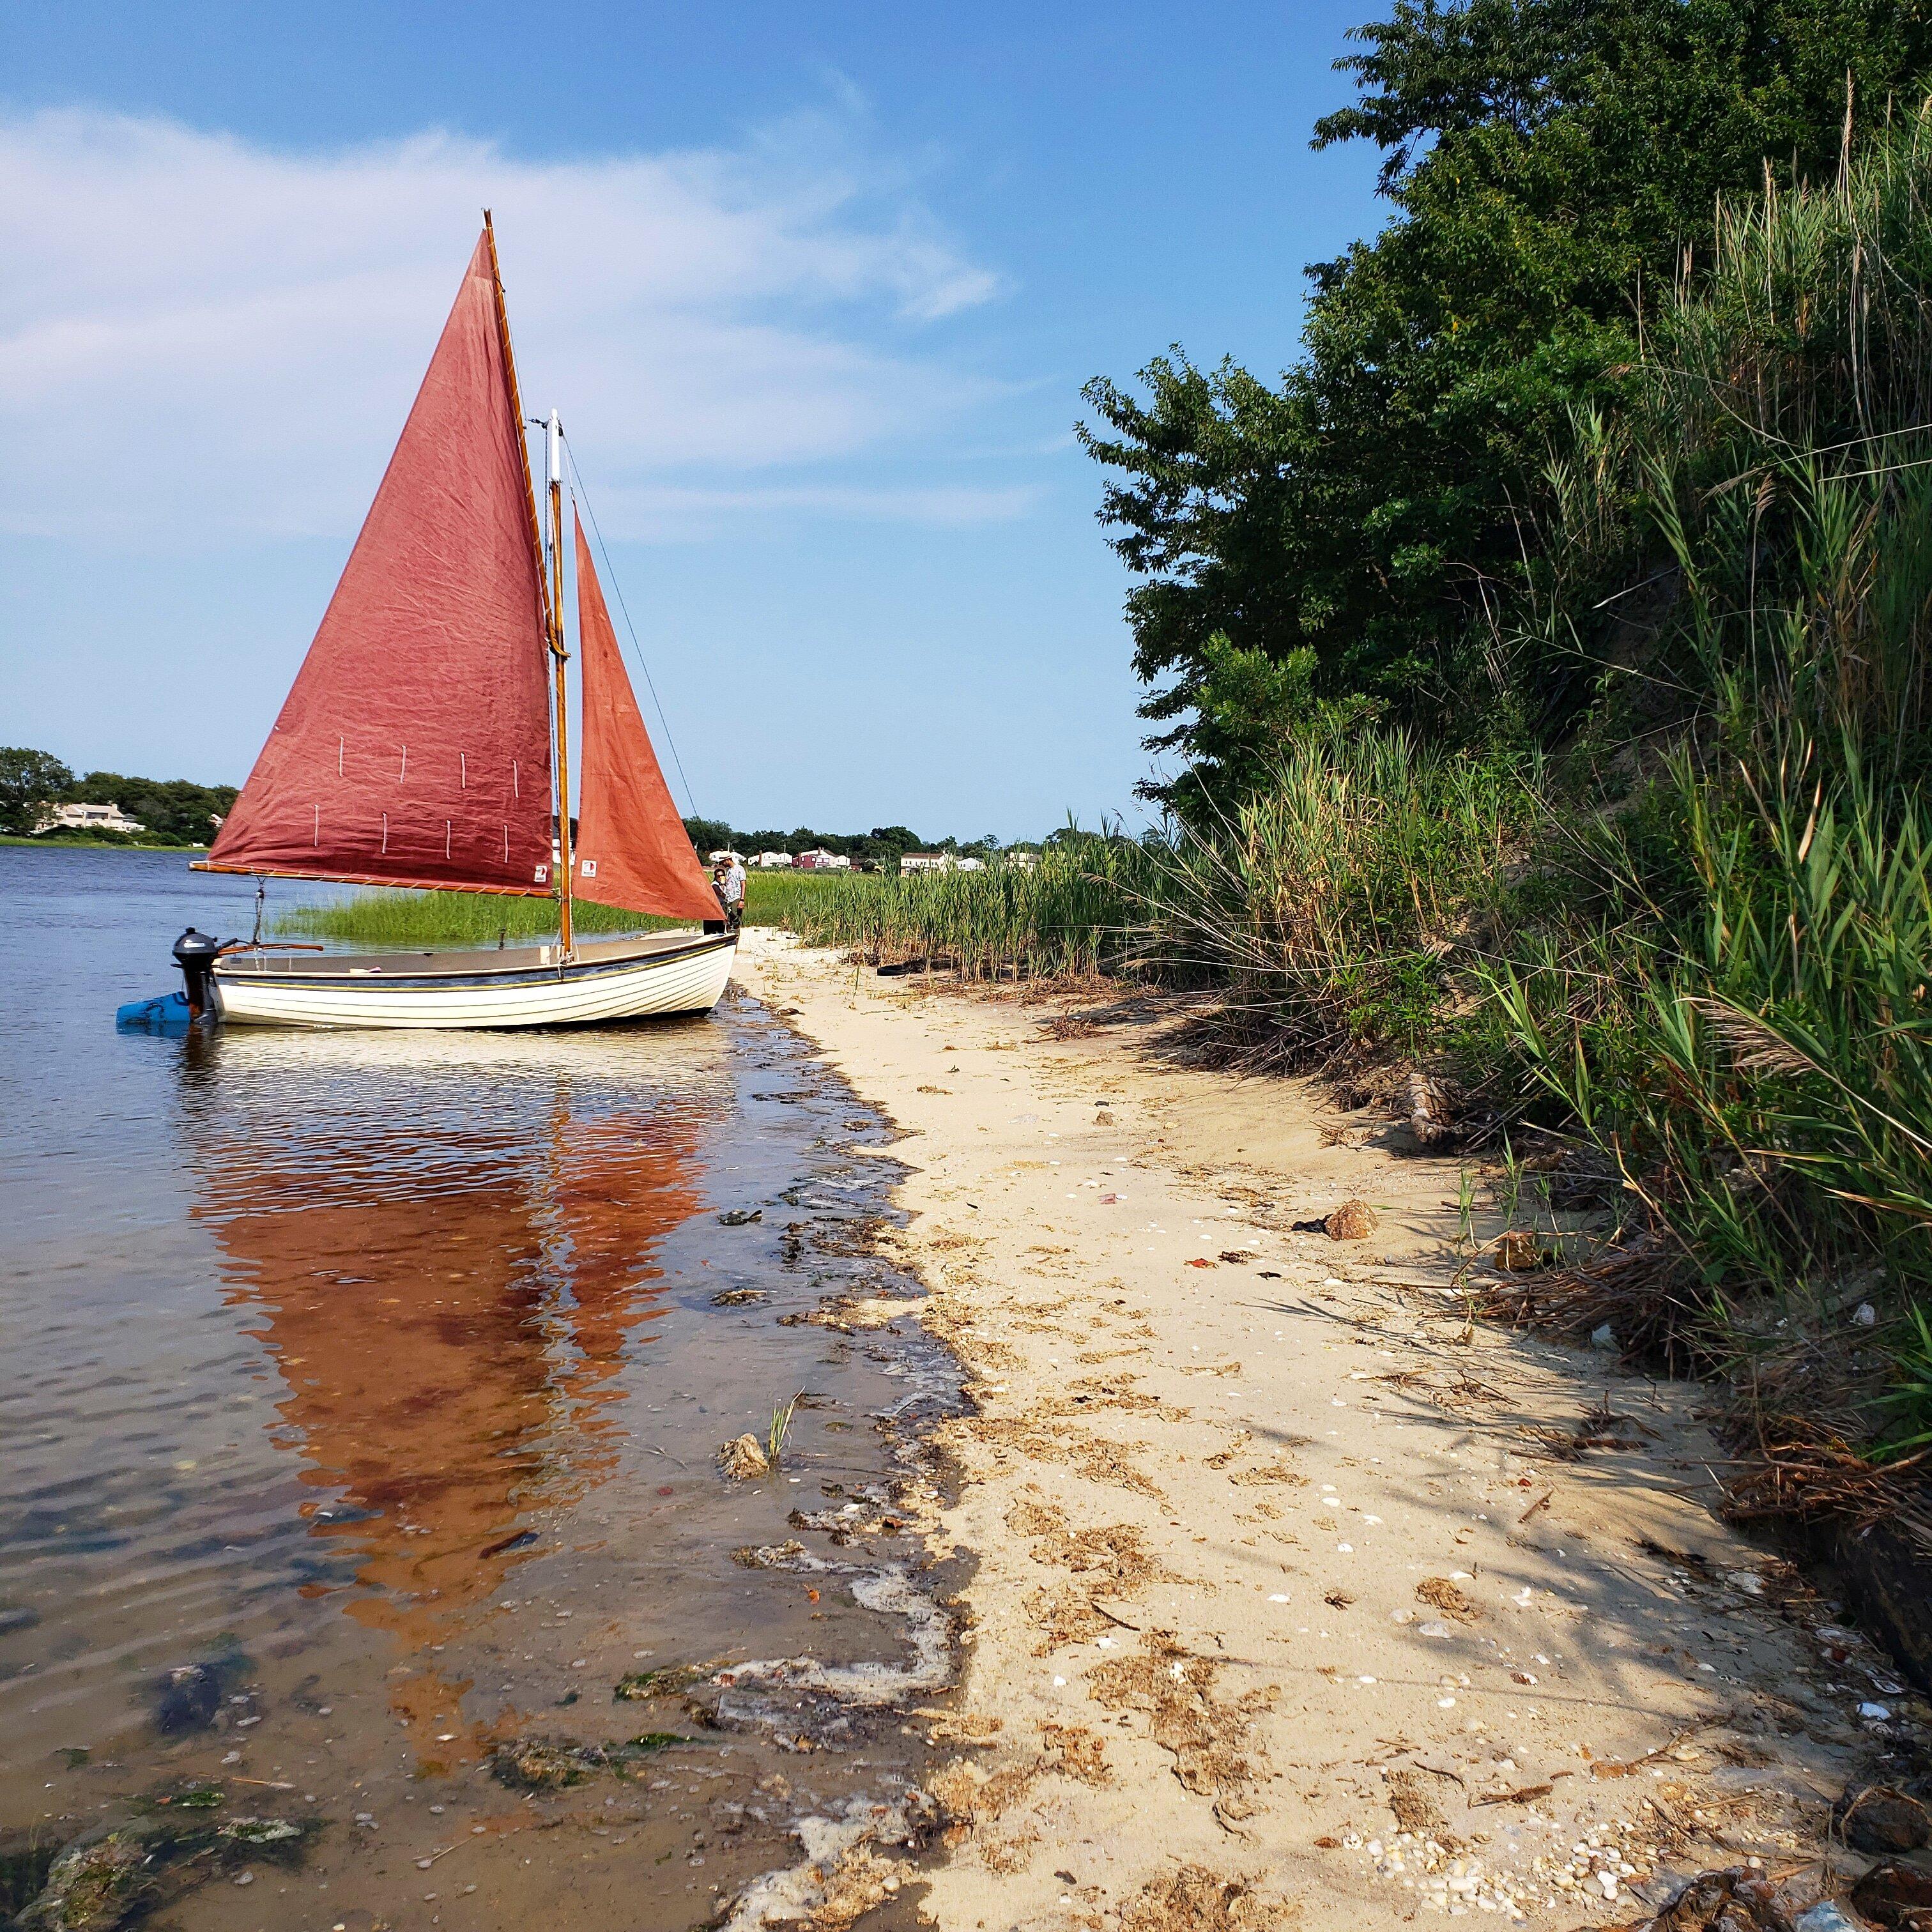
(196, 953)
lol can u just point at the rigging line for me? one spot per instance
(636, 649)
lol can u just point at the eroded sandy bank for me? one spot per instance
(1298, 1599)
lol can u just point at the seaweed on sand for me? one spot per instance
(634, 1687)
(106, 1878)
(92, 1887)
(554, 1764)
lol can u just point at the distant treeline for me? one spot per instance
(883, 846)
(177, 811)
(174, 811)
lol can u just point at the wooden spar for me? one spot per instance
(559, 658)
(550, 596)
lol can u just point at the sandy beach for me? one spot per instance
(1297, 1597)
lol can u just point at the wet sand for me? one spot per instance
(1296, 1598)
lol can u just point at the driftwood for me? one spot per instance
(1793, 1469)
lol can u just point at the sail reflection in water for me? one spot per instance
(451, 1245)
(365, 1395)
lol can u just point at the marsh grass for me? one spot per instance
(1332, 909)
(1721, 986)
(1909, 1401)
(1070, 916)
(385, 917)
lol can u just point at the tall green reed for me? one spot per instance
(1723, 981)
(1331, 909)
(1066, 917)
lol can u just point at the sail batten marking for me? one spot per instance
(404, 771)
(317, 839)
(386, 833)
(338, 758)
(462, 768)
(445, 838)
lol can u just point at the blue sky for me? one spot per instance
(816, 288)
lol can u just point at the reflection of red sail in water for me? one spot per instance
(435, 1336)
(619, 1180)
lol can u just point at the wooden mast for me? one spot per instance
(551, 594)
(560, 657)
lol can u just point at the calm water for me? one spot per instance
(359, 1398)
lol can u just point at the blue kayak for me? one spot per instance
(166, 1013)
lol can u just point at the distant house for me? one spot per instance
(969, 864)
(926, 862)
(821, 861)
(86, 818)
(1022, 862)
(771, 862)
(725, 853)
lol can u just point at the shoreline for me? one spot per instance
(87, 845)
(1293, 1592)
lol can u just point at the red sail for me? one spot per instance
(632, 850)
(414, 749)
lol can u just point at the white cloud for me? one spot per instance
(205, 340)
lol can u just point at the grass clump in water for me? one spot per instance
(781, 1428)
(553, 1764)
(637, 1686)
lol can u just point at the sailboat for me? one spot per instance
(425, 743)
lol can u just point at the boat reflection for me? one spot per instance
(451, 1244)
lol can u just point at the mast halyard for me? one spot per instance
(559, 658)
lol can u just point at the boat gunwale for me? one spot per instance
(510, 967)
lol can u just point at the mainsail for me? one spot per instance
(414, 749)
(632, 847)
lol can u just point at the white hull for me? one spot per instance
(624, 979)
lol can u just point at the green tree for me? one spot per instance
(176, 811)
(708, 835)
(1548, 161)
(28, 779)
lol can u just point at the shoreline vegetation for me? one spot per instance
(1550, 656)
(173, 814)
(86, 842)
(1641, 922)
